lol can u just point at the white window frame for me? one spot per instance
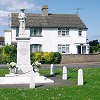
(63, 48)
(80, 33)
(63, 32)
(36, 47)
(35, 32)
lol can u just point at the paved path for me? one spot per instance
(69, 65)
(14, 86)
(76, 65)
(58, 82)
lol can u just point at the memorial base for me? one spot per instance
(24, 70)
(23, 79)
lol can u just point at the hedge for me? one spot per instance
(8, 54)
(46, 57)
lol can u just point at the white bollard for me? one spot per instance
(32, 80)
(52, 69)
(80, 77)
(64, 76)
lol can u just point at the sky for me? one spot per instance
(89, 12)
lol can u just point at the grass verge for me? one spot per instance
(89, 91)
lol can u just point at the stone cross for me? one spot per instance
(22, 18)
(52, 69)
(80, 77)
(64, 76)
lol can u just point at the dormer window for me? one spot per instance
(63, 32)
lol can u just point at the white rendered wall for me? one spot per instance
(27, 31)
(50, 39)
(7, 37)
(14, 34)
(10, 35)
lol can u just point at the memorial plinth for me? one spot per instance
(23, 55)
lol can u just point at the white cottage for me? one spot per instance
(64, 33)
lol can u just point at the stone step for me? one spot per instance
(13, 79)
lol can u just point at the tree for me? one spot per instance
(94, 46)
(93, 43)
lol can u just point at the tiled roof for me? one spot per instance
(50, 21)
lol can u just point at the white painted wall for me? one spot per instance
(50, 39)
(13, 35)
(8, 37)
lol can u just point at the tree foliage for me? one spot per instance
(94, 46)
(93, 43)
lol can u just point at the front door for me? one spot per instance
(81, 49)
(78, 49)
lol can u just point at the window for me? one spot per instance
(80, 32)
(36, 47)
(1, 43)
(63, 32)
(63, 48)
(17, 32)
(35, 31)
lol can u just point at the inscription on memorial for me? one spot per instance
(23, 48)
(23, 51)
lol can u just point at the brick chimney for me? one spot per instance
(45, 10)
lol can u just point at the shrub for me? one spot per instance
(46, 57)
(32, 57)
(8, 54)
(56, 58)
(1, 49)
(94, 49)
(4, 58)
(38, 56)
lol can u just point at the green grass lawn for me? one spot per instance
(89, 91)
